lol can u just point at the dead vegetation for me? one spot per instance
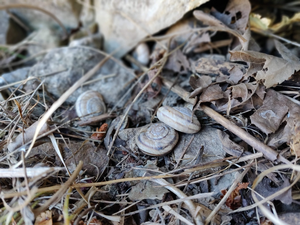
(232, 66)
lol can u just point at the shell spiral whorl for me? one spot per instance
(90, 103)
(179, 118)
(156, 139)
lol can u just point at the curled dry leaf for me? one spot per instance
(234, 201)
(212, 93)
(216, 24)
(236, 15)
(100, 132)
(199, 83)
(274, 71)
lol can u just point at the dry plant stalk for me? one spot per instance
(256, 144)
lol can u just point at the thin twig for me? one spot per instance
(266, 150)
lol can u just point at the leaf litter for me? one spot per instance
(57, 168)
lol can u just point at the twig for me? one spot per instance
(233, 186)
(61, 191)
(134, 100)
(61, 100)
(180, 194)
(256, 144)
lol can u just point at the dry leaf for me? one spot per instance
(275, 70)
(269, 117)
(295, 140)
(240, 98)
(214, 65)
(199, 83)
(217, 24)
(212, 93)
(236, 15)
(234, 199)
(100, 133)
(229, 146)
(177, 62)
(182, 31)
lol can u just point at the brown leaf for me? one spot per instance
(240, 97)
(216, 24)
(100, 133)
(295, 140)
(286, 133)
(236, 74)
(236, 15)
(275, 70)
(212, 93)
(177, 62)
(199, 83)
(214, 65)
(234, 199)
(269, 117)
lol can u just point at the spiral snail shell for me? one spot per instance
(90, 103)
(156, 139)
(179, 118)
(142, 53)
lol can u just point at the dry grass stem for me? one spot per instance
(30, 172)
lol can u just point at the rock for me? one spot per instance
(124, 25)
(290, 218)
(44, 38)
(208, 138)
(14, 76)
(67, 11)
(77, 61)
(216, 185)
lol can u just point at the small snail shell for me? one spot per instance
(90, 103)
(142, 53)
(156, 139)
(179, 118)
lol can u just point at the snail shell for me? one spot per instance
(156, 139)
(142, 53)
(179, 118)
(90, 103)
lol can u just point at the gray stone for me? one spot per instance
(77, 61)
(208, 138)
